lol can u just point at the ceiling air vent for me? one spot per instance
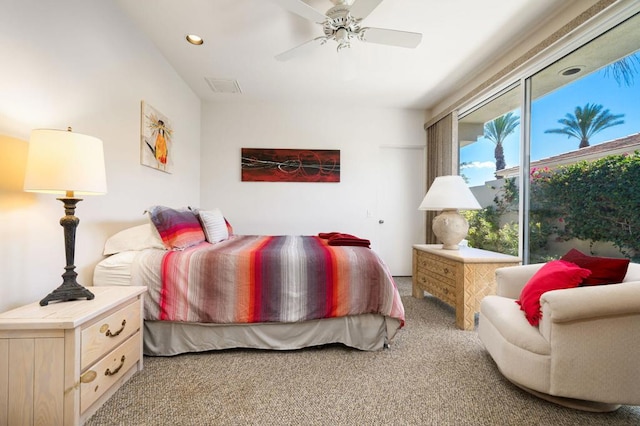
(221, 85)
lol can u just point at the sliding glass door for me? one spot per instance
(489, 141)
(563, 146)
(584, 167)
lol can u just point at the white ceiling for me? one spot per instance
(243, 36)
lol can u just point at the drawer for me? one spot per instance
(105, 373)
(443, 290)
(445, 269)
(108, 333)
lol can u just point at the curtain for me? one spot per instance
(442, 158)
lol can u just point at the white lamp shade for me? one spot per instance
(59, 161)
(449, 193)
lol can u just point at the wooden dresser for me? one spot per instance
(460, 278)
(59, 363)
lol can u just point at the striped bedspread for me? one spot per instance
(250, 279)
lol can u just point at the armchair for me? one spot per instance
(585, 353)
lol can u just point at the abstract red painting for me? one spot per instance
(290, 165)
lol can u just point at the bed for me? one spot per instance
(220, 291)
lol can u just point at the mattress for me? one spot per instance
(115, 269)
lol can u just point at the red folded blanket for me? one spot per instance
(349, 242)
(339, 239)
(327, 235)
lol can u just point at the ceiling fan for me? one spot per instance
(342, 23)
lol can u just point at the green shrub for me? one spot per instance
(595, 201)
(485, 230)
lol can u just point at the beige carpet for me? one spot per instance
(433, 374)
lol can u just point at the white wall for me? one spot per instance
(275, 208)
(82, 64)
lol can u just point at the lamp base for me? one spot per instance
(450, 228)
(66, 292)
(69, 289)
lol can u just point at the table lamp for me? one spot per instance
(63, 162)
(449, 194)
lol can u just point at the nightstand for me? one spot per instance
(59, 363)
(460, 278)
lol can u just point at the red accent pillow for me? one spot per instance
(604, 270)
(554, 275)
(229, 227)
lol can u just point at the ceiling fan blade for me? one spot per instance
(300, 8)
(362, 8)
(392, 37)
(301, 49)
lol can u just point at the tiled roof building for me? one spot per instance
(625, 145)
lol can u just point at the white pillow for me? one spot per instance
(214, 225)
(136, 238)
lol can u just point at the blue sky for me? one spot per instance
(545, 113)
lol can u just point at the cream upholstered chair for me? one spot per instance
(584, 354)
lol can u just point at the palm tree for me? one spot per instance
(497, 131)
(586, 122)
(623, 70)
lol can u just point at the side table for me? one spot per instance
(60, 362)
(460, 278)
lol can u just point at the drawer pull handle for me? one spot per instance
(446, 270)
(111, 373)
(110, 334)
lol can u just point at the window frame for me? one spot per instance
(521, 75)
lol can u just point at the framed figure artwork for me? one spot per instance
(156, 139)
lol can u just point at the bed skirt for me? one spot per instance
(367, 332)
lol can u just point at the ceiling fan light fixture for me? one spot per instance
(342, 36)
(342, 23)
(194, 39)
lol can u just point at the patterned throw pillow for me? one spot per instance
(178, 229)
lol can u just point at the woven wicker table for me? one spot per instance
(460, 278)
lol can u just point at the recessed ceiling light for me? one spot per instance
(194, 39)
(575, 69)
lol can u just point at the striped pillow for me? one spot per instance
(214, 225)
(178, 229)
